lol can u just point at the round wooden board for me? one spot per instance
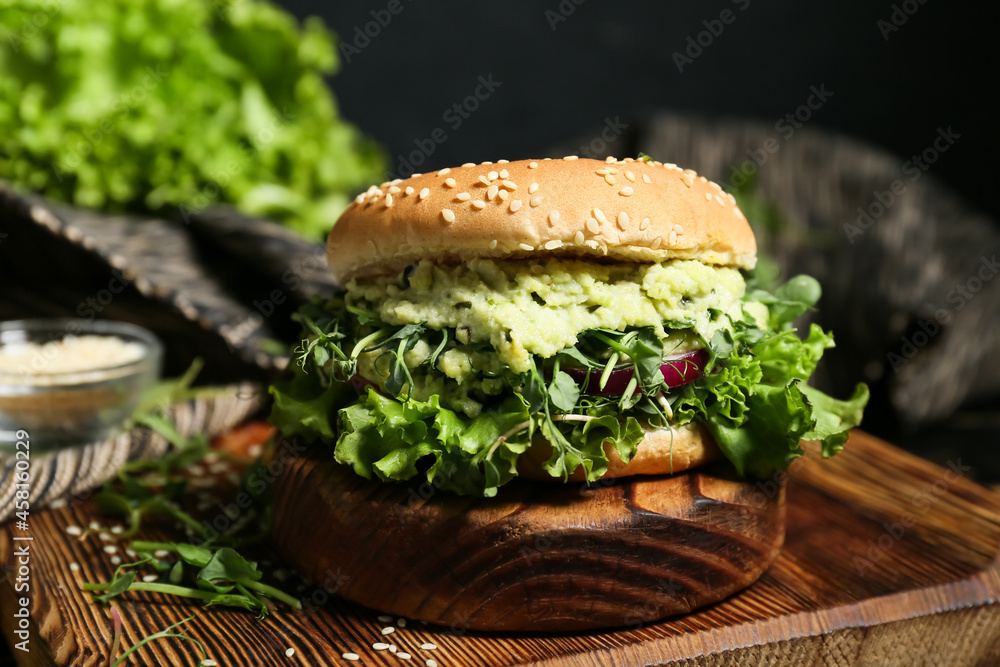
(538, 557)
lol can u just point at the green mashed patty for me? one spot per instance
(539, 308)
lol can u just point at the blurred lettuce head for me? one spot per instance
(177, 104)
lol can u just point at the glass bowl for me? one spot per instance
(68, 382)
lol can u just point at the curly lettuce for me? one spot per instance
(146, 105)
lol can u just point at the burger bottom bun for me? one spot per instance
(664, 451)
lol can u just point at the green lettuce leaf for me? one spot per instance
(389, 439)
(756, 404)
(753, 399)
(785, 357)
(101, 108)
(305, 405)
(789, 301)
(833, 418)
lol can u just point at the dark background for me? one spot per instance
(608, 60)
(615, 60)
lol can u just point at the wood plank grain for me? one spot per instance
(539, 556)
(926, 595)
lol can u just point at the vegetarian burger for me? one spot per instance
(555, 319)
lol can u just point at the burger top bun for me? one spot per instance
(624, 210)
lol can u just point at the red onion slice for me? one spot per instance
(677, 369)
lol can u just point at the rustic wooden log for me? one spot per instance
(541, 556)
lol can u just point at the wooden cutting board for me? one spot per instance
(538, 557)
(888, 560)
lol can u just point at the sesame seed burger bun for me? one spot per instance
(662, 452)
(625, 210)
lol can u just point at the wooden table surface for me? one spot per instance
(888, 560)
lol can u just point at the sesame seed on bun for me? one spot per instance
(624, 210)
